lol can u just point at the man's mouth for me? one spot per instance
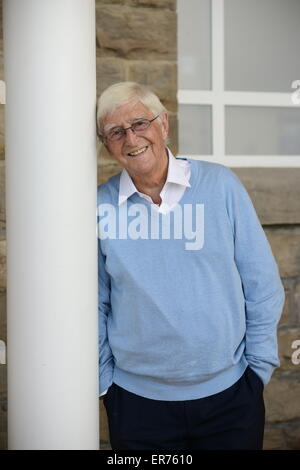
(137, 152)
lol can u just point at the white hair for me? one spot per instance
(124, 92)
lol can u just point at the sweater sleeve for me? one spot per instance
(262, 287)
(106, 359)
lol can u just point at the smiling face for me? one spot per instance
(141, 154)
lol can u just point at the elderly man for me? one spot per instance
(189, 292)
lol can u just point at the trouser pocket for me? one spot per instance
(255, 376)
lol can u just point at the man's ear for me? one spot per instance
(104, 152)
(165, 125)
(107, 151)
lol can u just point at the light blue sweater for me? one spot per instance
(180, 318)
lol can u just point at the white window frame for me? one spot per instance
(218, 98)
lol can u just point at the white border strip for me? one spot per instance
(2, 92)
(218, 110)
(236, 98)
(259, 99)
(262, 161)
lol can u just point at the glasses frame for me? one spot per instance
(105, 139)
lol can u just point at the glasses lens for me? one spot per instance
(118, 132)
(115, 134)
(140, 125)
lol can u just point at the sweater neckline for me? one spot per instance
(194, 179)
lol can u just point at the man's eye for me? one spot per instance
(139, 124)
(116, 132)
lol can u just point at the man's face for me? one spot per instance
(150, 143)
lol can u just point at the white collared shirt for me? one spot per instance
(177, 181)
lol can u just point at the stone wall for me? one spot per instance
(276, 196)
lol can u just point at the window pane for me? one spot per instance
(262, 131)
(262, 40)
(195, 130)
(194, 44)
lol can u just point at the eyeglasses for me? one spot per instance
(118, 133)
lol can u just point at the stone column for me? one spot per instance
(52, 356)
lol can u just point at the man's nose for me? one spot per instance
(130, 136)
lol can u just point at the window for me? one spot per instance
(238, 69)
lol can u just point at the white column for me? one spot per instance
(52, 355)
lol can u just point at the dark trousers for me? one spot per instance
(232, 419)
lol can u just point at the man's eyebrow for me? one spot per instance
(138, 117)
(108, 127)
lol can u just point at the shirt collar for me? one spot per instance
(176, 174)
